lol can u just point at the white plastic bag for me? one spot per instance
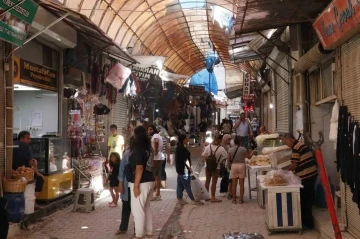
(118, 75)
(279, 157)
(199, 166)
(198, 189)
(281, 178)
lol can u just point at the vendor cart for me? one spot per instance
(282, 207)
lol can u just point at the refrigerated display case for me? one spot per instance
(54, 162)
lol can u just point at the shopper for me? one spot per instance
(303, 164)
(242, 127)
(183, 169)
(165, 156)
(214, 154)
(203, 126)
(116, 142)
(225, 184)
(157, 146)
(139, 174)
(237, 155)
(22, 156)
(113, 178)
(124, 190)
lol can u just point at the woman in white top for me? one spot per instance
(237, 155)
(212, 173)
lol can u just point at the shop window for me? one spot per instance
(322, 83)
(47, 56)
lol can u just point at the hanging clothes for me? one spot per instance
(342, 142)
(349, 154)
(356, 166)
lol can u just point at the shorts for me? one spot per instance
(39, 183)
(156, 168)
(238, 170)
(114, 183)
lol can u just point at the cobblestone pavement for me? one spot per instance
(170, 219)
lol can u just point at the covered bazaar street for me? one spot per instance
(171, 220)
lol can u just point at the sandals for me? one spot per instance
(241, 201)
(215, 200)
(229, 197)
(234, 201)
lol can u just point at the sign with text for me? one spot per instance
(146, 76)
(338, 23)
(15, 23)
(246, 86)
(31, 74)
(248, 97)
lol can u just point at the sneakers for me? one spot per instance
(156, 198)
(182, 201)
(197, 203)
(223, 195)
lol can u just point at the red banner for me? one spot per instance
(338, 23)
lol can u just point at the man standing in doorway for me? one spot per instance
(303, 164)
(203, 126)
(116, 142)
(157, 145)
(242, 127)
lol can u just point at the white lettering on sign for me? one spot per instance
(246, 87)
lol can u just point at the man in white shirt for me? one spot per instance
(242, 127)
(157, 145)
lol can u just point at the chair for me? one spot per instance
(84, 199)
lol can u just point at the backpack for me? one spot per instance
(211, 160)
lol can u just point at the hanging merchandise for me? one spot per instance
(101, 109)
(334, 123)
(68, 93)
(118, 75)
(95, 74)
(104, 72)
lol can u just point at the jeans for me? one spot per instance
(141, 208)
(306, 198)
(244, 142)
(125, 213)
(183, 183)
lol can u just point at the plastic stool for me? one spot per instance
(84, 199)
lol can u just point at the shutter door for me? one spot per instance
(2, 111)
(120, 117)
(282, 98)
(350, 84)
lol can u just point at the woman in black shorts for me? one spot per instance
(113, 178)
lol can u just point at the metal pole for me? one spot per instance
(274, 61)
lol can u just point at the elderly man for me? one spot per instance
(242, 127)
(225, 184)
(303, 164)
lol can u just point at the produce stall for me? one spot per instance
(281, 198)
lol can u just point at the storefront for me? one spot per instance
(345, 38)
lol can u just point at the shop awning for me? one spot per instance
(87, 28)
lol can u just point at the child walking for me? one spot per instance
(113, 178)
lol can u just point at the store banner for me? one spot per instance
(15, 23)
(31, 74)
(146, 76)
(339, 22)
(247, 88)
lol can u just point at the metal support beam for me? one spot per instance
(40, 32)
(275, 45)
(271, 67)
(275, 62)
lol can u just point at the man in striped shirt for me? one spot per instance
(304, 165)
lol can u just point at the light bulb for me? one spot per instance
(271, 105)
(157, 110)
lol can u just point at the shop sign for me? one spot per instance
(196, 90)
(248, 108)
(147, 76)
(246, 86)
(15, 23)
(247, 97)
(31, 74)
(338, 23)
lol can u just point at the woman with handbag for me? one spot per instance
(214, 154)
(236, 157)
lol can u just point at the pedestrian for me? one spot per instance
(214, 154)
(203, 126)
(157, 146)
(124, 191)
(242, 127)
(165, 156)
(225, 184)
(141, 180)
(303, 164)
(237, 155)
(115, 142)
(183, 169)
(113, 178)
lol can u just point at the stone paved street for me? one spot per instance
(170, 220)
